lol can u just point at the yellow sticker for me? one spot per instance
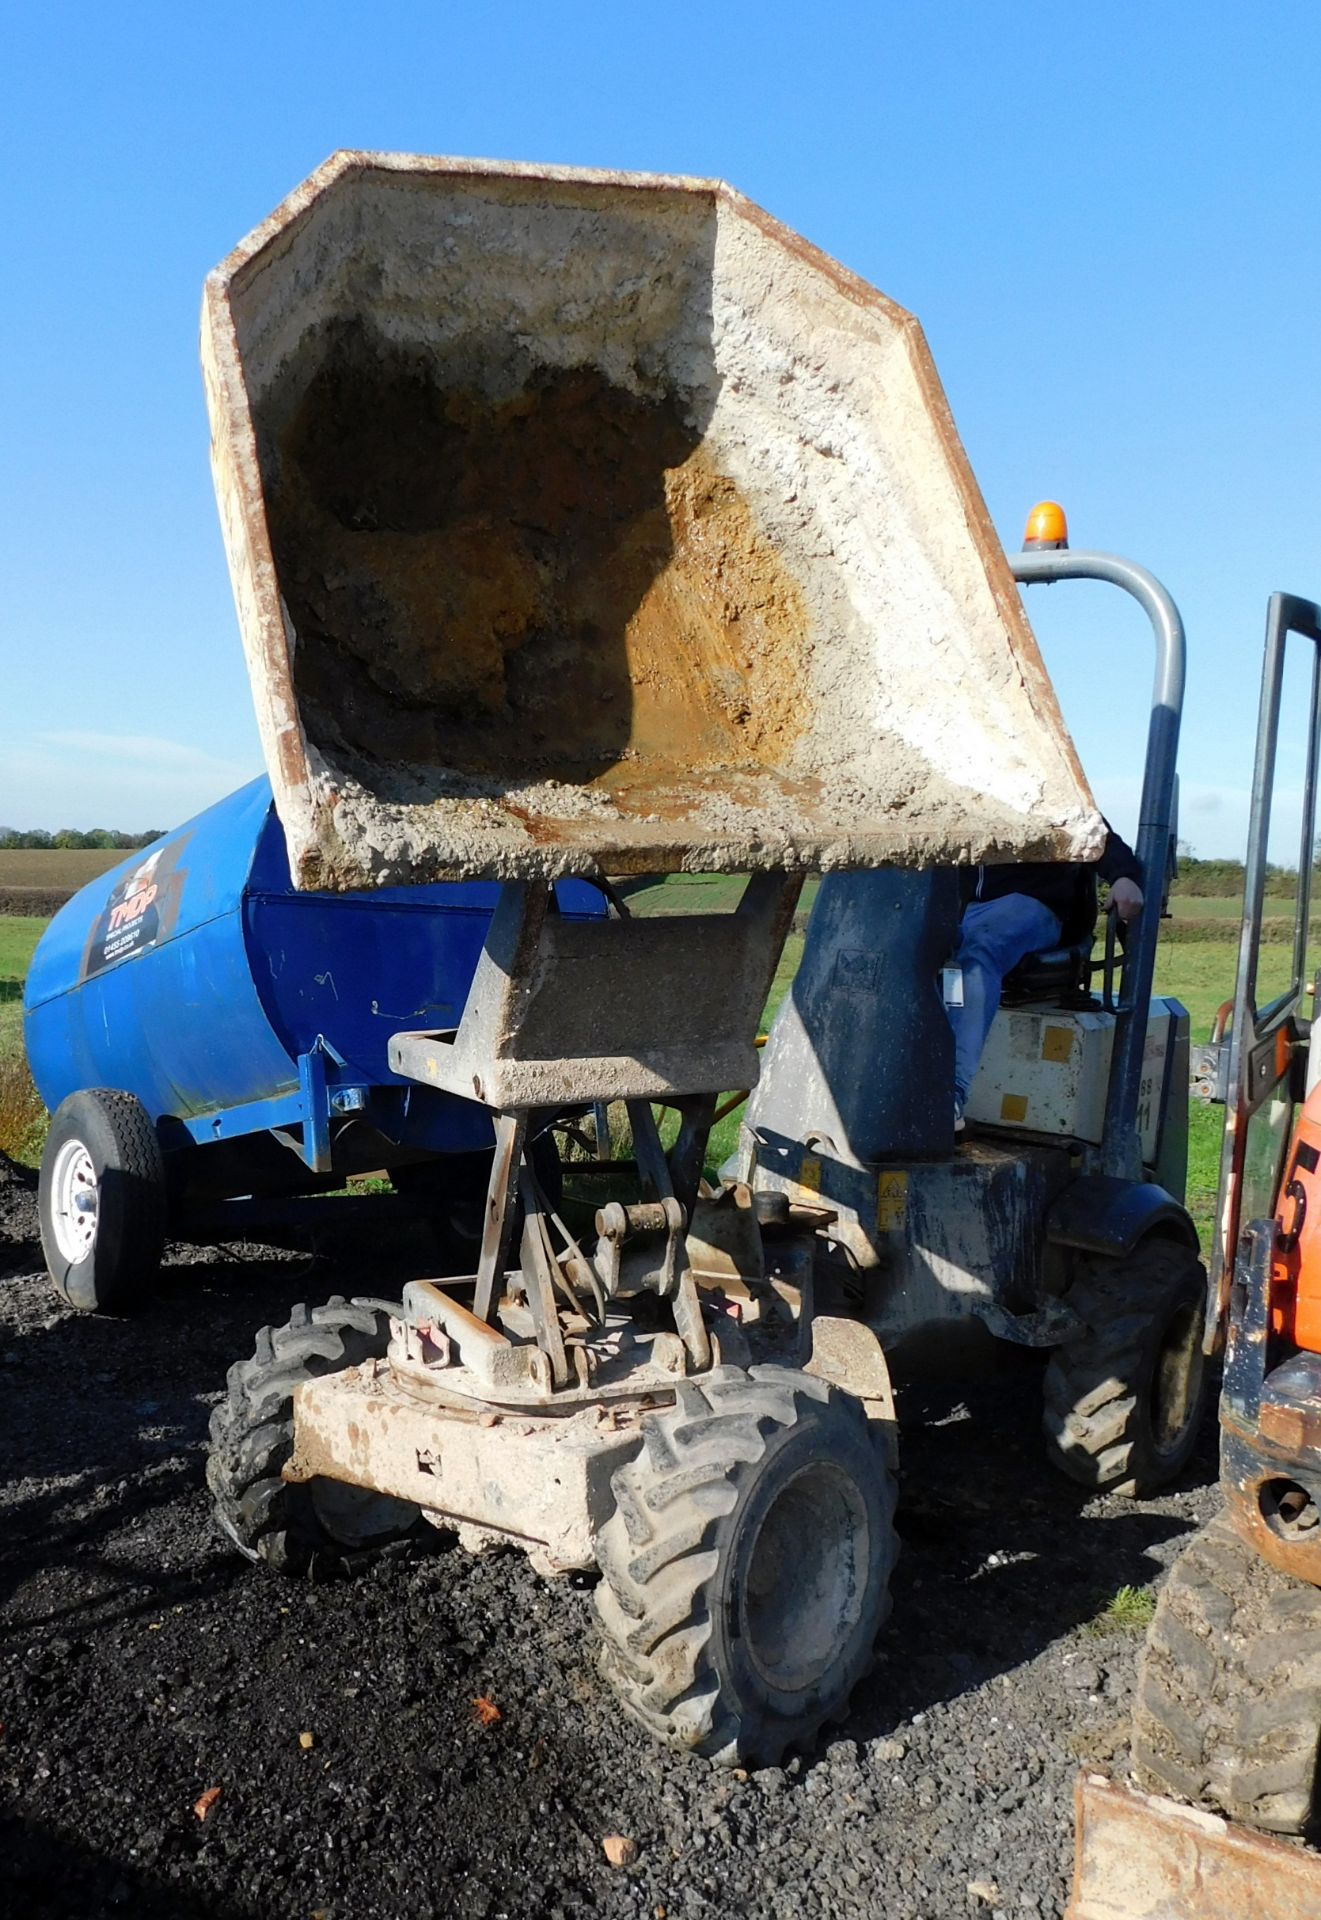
(1057, 1043)
(809, 1174)
(891, 1202)
(1014, 1107)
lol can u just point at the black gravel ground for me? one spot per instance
(143, 1664)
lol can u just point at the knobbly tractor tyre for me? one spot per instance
(101, 1201)
(1227, 1712)
(747, 1564)
(315, 1529)
(1124, 1396)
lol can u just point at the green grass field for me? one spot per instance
(18, 937)
(697, 893)
(1201, 976)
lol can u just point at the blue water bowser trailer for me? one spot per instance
(210, 1040)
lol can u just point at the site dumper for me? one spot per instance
(595, 525)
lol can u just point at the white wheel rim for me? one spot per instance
(74, 1202)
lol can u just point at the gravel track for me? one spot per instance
(143, 1663)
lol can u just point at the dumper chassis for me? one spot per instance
(673, 1408)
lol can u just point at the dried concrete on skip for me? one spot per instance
(583, 521)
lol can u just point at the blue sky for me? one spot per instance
(1106, 218)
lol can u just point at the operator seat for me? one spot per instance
(1060, 973)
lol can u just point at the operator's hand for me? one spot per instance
(1125, 900)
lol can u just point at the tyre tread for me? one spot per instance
(1093, 1411)
(658, 1552)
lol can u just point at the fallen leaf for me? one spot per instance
(619, 1849)
(985, 1891)
(485, 1712)
(307, 1741)
(205, 1801)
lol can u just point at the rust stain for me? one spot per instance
(1299, 1557)
(561, 585)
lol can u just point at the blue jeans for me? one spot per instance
(994, 935)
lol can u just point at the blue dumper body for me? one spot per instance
(196, 977)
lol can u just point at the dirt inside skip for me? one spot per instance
(559, 586)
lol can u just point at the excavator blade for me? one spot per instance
(1139, 1857)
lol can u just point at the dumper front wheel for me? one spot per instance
(314, 1528)
(1228, 1705)
(747, 1565)
(1124, 1396)
(101, 1201)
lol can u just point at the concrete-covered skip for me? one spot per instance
(583, 520)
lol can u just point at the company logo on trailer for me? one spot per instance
(141, 910)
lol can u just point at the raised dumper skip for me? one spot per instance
(586, 524)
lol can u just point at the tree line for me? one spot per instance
(1220, 879)
(96, 837)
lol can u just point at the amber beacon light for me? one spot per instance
(1046, 527)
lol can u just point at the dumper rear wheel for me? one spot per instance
(1228, 1705)
(101, 1201)
(747, 1565)
(314, 1528)
(1124, 1396)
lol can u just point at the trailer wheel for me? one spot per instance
(101, 1201)
(1124, 1397)
(1228, 1705)
(452, 1188)
(747, 1564)
(315, 1528)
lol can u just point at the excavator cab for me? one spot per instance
(1226, 1737)
(1266, 1263)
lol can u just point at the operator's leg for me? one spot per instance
(994, 935)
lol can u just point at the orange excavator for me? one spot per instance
(1226, 1736)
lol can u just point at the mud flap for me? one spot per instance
(1138, 1857)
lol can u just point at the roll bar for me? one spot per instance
(1120, 1149)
